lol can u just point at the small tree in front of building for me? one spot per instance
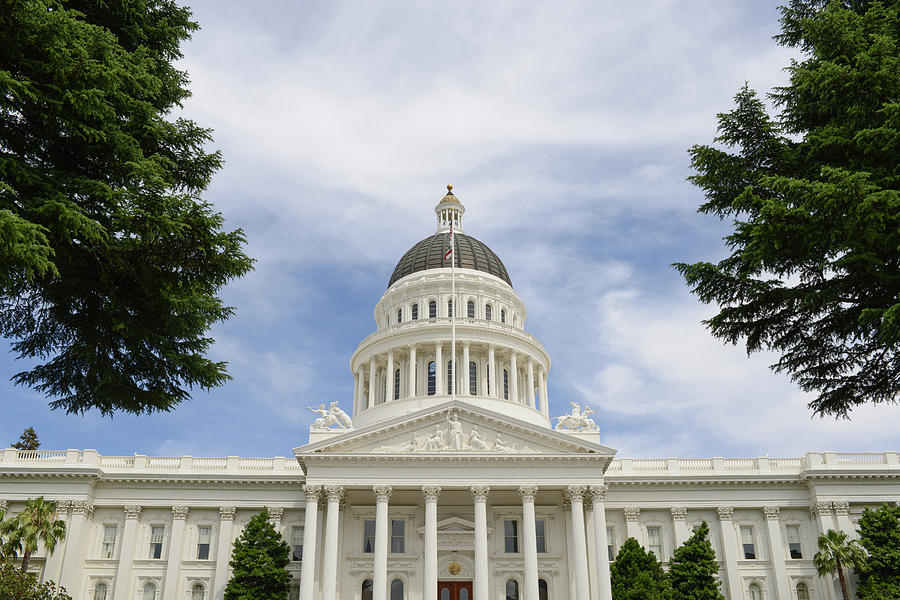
(879, 534)
(28, 440)
(257, 563)
(837, 552)
(693, 569)
(638, 575)
(16, 585)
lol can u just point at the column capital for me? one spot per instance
(632, 513)
(334, 492)
(275, 514)
(820, 509)
(841, 509)
(132, 511)
(431, 492)
(226, 513)
(382, 493)
(480, 492)
(180, 513)
(771, 512)
(575, 493)
(312, 490)
(527, 492)
(725, 512)
(598, 492)
(679, 513)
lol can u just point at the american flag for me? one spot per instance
(450, 251)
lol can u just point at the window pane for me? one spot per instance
(398, 536)
(503, 315)
(505, 384)
(431, 382)
(539, 530)
(445, 594)
(512, 590)
(432, 309)
(802, 592)
(543, 590)
(463, 594)
(793, 535)
(101, 589)
(470, 309)
(654, 539)
(747, 539)
(450, 307)
(511, 535)
(755, 592)
(415, 312)
(197, 592)
(397, 384)
(156, 540)
(400, 316)
(473, 378)
(368, 536)
(149, 592)
(450, 377)
(109, 541)
(488, 312)
(367, 589)
(396, 590)
(611, 543)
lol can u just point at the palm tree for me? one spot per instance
(36, 523)
(836, 552)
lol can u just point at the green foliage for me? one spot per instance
(693, 568)
(16, 585)
(836, 553)
(257, 562)
(110, 261)
(814, 198)
(28, 440)
(637, 575)
(37, 523)
(879, 534)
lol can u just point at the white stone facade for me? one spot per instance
(433, 493)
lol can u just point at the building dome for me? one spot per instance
(429, 254)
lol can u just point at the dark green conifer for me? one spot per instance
(637, 575)
(28, 440)
(693, 569)
(879, 534)
(257, 563)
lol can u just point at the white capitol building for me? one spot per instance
(426, 492)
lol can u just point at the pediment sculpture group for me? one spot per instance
(456, 440)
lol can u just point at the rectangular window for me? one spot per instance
(611, 543)
(156, 540)
(204, 534)
(397, 384)
(109, 541)
(793, 536)
(540, 535)
(398, 536)
(368, 536)
(654, 542)
(415, 312)
(511, 536)
(296, 543)
(747, 542)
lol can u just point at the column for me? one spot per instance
(173, 565)
(411, 376)
(390, 377)
(821, 513)
(308, 564)
(632, 528)
(513, 378)
(431, 493)
(356, 380)
(371, 399)
(679, 521)
(55, 558)
(598, 495)
(730, 548)
(570, 544)
(496, 379)
(330, 551)
(479, 493)
(529, 539)
(379, 581)
(223, 549)
(582, 588)
(467, 374)
(440, 370)
(545, 400)
(530, 374)
(72, 559)
(776, 552)
(844, 523)
(126, 553)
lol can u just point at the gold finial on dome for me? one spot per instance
(449, 188)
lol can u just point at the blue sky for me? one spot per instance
(563, 126)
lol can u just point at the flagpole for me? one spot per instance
(452, 314)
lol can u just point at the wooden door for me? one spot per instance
(454, 590)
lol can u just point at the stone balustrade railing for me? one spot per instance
(752, 466)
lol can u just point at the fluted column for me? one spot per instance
(821, 513)
(776, 552)
(479, 494)
(126, 553)
(545, 400)
(495, 380)
(72, 560)
(371, 398)
(310, 519)
(356, 381)
(173, 564)
(54, 561)
(223, 549)
(390, 376)
(530, 374)
(730, 548)
(582, 586)
(411, 376)
(382, 497)
(679, 523)
(330, 551)
(632, 528)
(513, 378)
(529, 539)
(431, 493)
(440, 370)
(467, 378)
(598, 496)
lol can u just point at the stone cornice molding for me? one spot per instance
(632, 513)
(598, 492)
(679, 513)
(382, 493)
(575, 493)
(480, 492)
(431, 492)
(527, 492)
(771, 512)
(334, 493)
(180, 513)
(841, 509)
(226, 513)
(725, 513)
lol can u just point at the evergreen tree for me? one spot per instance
(693, 568)
(637, 575)
(814, 195)
(879, 534)
(258, 561)
(28, 440)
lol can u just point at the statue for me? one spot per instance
(342, 417)
(434, 442)
(330, 416)
(414, 443)
(476, 440)
(501, 446)
(578, 420)
(456, 433)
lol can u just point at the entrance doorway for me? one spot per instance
(454, 590)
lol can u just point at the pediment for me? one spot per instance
(453, 428)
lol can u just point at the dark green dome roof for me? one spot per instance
(429, 254)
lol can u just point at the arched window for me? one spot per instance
(396, 590)
(149, 592)
(449, 377)
(396, 384)
(755, 591)
(400, 315)
(431, 381)
(100, 591)
(512, 590)
(415, 312)
(505, 384)
(432, 309)
(450, 307)
(473, 379)
(463, 594)
(802, 591)
(367, 589)
(445, 594)
(197, 592)
(470, 309)
(543, 590)
(503, 315)
(488, 312)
